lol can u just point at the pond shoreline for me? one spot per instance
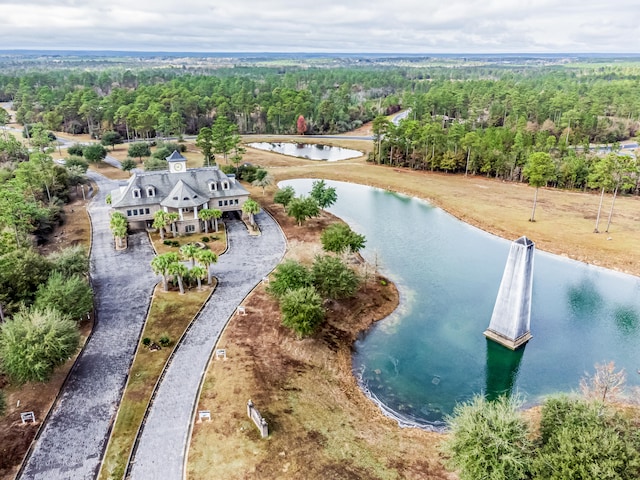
(308, 151)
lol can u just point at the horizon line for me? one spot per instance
(333, 53)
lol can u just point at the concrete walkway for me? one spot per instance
(163, 442)
(73, 440)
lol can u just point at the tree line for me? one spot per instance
(42, 298)
(597, 105)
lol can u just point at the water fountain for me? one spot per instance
(510, 321)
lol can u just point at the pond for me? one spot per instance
(310, 151)
(431, 353)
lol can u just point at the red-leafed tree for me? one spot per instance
(301, 125)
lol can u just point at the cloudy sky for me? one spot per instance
(399, 26)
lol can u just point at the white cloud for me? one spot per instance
(403, 26)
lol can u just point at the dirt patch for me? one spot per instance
(75, 229)
(321, 424)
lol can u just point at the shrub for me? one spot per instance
(146, 341)
(3, 403)
(205, 239)
(289, 275)
(128, 164)
(153, 164)
(168, 243)
(164, 341)
(302, 310)
(36, 341)
(70, 261)
(338, 238)
(76, 149)
(76, 161)
(71, 296)
(581, 439)
(488, 439)
(332, 278)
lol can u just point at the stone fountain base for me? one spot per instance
(508, 342)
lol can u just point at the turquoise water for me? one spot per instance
(431, 353)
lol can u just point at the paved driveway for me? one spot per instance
(73, 440)
(161, 451)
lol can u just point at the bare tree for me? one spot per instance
(605, 382)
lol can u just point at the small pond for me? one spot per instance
(431, 353)
(310, 151)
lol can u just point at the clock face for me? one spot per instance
(177, 166)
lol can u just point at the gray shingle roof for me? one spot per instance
(162, 183)
(183, 196)
(175, 157)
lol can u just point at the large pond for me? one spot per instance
(431, 353)
(310, 151)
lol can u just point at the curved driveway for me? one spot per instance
(163, 442)
(72, 441)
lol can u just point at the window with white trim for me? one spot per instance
(136, 193)
(151, 192)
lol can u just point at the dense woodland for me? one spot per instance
(474, 119)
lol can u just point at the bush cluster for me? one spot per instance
(300, 290)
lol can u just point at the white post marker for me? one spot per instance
(27, 417)
(204, 415)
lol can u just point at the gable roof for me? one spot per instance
(182, 195)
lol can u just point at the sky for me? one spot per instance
(358, 26)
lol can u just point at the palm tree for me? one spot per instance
(206, 258)
(179, 270)
(161, 264)
(207, 214)
(118, 225)
(251, 207)
(172, 218)
(199, 273)
(160, 221)
(189, 252)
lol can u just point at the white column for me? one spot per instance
(195, 212)
(180, 213)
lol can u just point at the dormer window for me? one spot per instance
(136, 193)
(151, 192)
(225, 185)
(213, 186)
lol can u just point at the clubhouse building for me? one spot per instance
(180, 190)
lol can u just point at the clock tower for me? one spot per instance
(177, 163)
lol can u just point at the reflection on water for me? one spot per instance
(584, 299)
(627, 320)
(310, 151)
(502, 369)
(435, 354)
